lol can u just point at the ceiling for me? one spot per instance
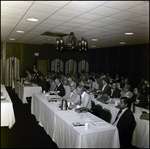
(106, 21)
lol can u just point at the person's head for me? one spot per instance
(35, 69)
(41, 76)
(69, 80)
(72, 86)
(27, 71)
(114, 85)
(124, 102)
(80, 90)
(57, 81)
(127, 88)
(91, 80)
(126, 80)
(117, 76)
(135, 91)
(104, 81)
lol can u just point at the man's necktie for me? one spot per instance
(117, 116)
(56, 88)
(80, 100)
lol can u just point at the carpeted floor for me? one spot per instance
(25, 133)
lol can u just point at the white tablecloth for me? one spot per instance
(7, 111)
(141, 132)
(25, 91)
(58, 124)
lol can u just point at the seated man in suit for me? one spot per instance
(43, 83)
(74, 97)
(126, 92)
(85, 98)
(115, 92)
(125, 123)
(60, 88)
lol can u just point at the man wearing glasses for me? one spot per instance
(74, 97)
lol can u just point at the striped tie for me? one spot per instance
(80, 100)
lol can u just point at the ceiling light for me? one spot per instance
(93, 46)
(72, 43)
(122, 42)
(128, 33)
(12, 39)
(32, 19)
(94, 39)
(20, 31)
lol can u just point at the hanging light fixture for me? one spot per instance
(72, 43)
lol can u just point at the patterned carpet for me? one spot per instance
(26, 133)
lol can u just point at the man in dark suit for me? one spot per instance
(106, 87)
(115, 92)
(43, 83)
(60, 88)
(125, 124)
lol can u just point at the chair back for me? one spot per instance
(48, 86)
(93, 104)
(106, 115)
(97, 110)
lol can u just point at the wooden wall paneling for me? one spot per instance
(70, 65)
(93, 60)
(112, 61)
(125, 60)
(12, 70)
(140, 63)
(102, 56)
(83, 65)
(57, 65)
(3, 62)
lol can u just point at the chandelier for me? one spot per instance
(71, 43)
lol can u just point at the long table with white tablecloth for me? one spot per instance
(24, 91)
(58, 125)
(7, 111)
(141, 132)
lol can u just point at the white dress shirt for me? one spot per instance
(86, 100)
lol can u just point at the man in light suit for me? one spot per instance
(74, 97)
(60, 88)
(85, 98)
(125, 124)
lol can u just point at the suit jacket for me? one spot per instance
(125, 127)
(43, 84)
(116, 93)
(107, 90)
(61, 89)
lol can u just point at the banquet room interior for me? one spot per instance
(96, 37)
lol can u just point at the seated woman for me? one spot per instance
(28, 78)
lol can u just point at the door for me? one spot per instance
(42, 66)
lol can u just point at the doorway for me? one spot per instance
(42, 66)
